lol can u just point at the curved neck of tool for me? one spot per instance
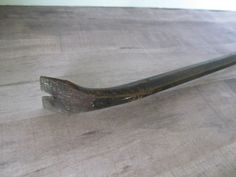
(167, 80)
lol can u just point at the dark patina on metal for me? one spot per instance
(74, 98)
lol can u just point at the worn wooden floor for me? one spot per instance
(189, 131)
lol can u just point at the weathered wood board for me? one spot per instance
(186, 131)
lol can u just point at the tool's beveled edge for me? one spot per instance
(66, 93)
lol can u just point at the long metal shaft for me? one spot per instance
(95, 98)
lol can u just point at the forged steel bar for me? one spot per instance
(74, 97)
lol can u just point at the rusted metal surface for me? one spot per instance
(74, 98)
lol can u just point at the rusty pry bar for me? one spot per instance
(74, 98)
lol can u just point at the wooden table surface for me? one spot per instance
(188, 131)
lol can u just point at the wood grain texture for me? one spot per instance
(186, 131)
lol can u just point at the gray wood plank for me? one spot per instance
(185, 131)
